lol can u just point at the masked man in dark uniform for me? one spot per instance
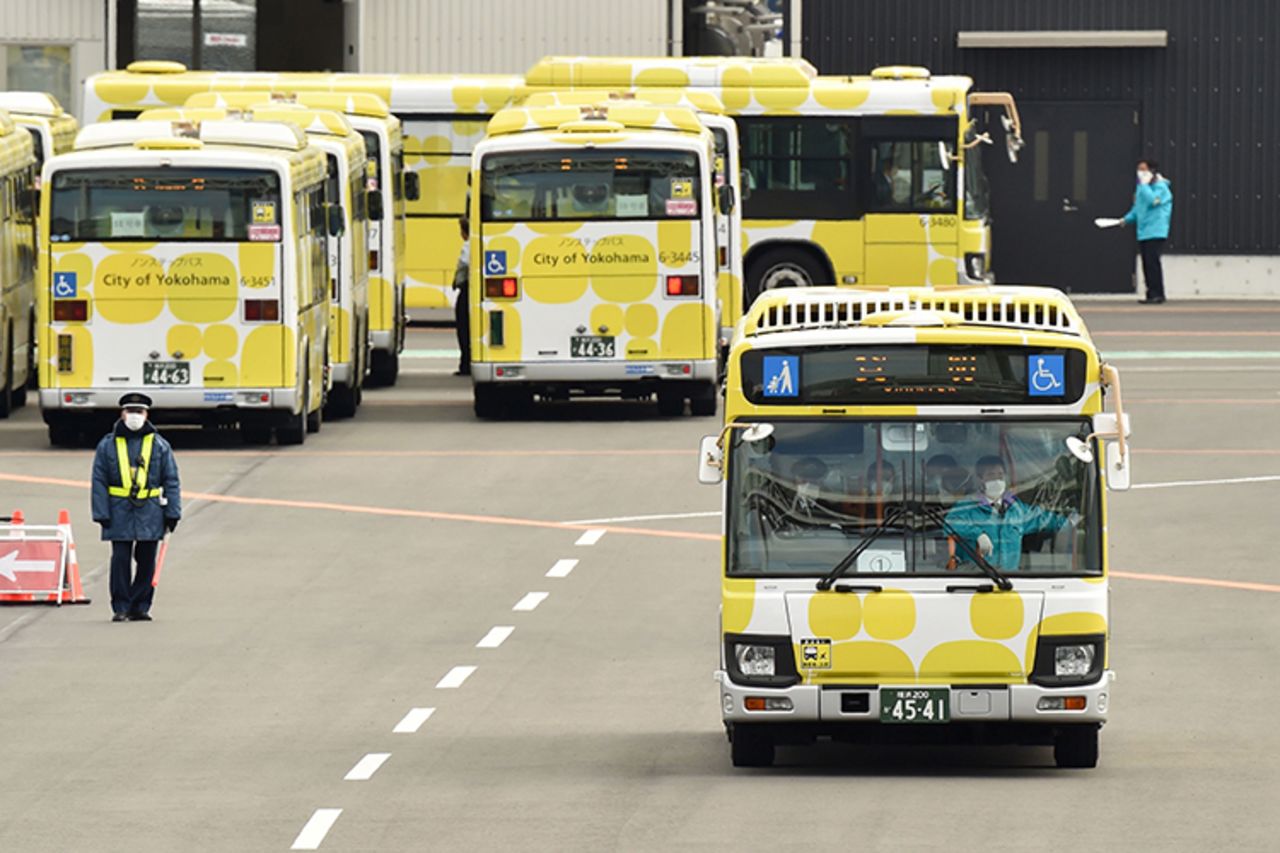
(136, 499)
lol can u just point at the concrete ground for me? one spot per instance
(315, 596)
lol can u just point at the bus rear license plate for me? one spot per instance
(166, 373)
(587, 346)
(915, 706)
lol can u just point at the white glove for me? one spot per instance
(1104, 222)
(984, 545)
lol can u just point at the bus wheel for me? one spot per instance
(670, 401)
(315, 420)
(343, 401)
(702, 402)
(384, 369)
(750, 747)
(6, 389)
(487, 401)
(1076, 746)
(63, 431)
(255, 432)
(779, 268)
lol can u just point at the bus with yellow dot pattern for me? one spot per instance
(915, 538)
(443, 116)
(17, 264)
(593, 268)
(52, 128)
(872, 180)
(185, 260)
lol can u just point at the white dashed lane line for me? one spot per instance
(316, 829)
(531, 601)
(561, 569)
(455, 677)
(495, 637)
(591, 537)
(366, 767)
(413, 721)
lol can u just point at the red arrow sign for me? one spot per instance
(29, 566)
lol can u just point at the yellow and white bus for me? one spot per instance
(186, 261)
(52, 129)
(347, 251)
(384, 145)
(593, 257)
(442, 116)
(915, 538)
(17, 264)
(873, 180)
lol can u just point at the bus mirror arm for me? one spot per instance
(711, 451)
(1117, 462)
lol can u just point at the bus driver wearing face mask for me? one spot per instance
(994, 520)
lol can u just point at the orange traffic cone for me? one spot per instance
(72, 589)
(17, 519)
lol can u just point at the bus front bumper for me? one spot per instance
(812, 704)
(594, 372)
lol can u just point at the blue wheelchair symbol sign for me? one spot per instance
(1046, 375)
(495, 263)
(64, 285)
(782, 376)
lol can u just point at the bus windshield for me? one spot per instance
(231, 205)
(590, 185)
(942, 490)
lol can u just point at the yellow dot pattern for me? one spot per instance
(835, 615)
(889, 615)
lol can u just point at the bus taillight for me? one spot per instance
(502, 288)
(71, 310)
(682, 285)
(261, 310)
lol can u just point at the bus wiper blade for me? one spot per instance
(891, 515)
(971, 552)
(858, 587)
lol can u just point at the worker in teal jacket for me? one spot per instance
(993, 522)
(1151, 212)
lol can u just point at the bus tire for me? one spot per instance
(670, 401)
(777, 268)
(63, 431)
(1076, 747)
(33, 359)
(294, 431)
(750, 747)
(702, 402)
(6, 372)
(343, 402)
(315, 419)
(384, 369)
(255, 432)
(487, 401)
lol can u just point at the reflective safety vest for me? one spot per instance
(127, 484)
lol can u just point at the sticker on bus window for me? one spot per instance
(264, 233)
(681, 188)
(631, 205)
(781, 376)
(682, 207)
(127, 223)
(1046, 375)
(264, 212)
(815, 653)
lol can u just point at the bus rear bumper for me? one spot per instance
(169, 405)
(820, 706)
(594, 372)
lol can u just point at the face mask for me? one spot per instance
(994, 489)
(133, 421)
(1144, 177)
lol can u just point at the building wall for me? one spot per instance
(504, 36)
(46, 43)
(1209, 99)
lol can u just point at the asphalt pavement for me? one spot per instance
(423, 632)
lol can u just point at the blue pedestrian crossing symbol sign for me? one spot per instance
(1046, 375)
(782, 376)
(495, 263)
(64, 285)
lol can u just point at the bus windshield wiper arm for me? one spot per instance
(971, 552)
(890, 516)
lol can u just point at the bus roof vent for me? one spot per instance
(155, 66)
(900, 72)
(1029, 308)
(31, 103)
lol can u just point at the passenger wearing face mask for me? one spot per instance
(136, 499)
(1151, 212)
(994, 520)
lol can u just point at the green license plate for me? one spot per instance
(587, 346)
(166, 373)
(911, 705)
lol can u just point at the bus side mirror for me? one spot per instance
(744, 181)
(412, 186)
(726, 198)
(710, 461)
(1119, 476)
(375, 208)
(337, 220)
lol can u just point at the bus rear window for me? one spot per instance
(590, 185)
(232, 205)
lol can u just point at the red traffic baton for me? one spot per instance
(164, 549)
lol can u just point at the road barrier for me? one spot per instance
(38, 562)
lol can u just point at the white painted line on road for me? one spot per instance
(1203, 368)
(366, 767)
(316, 829)
(496, 637)
(561, 569)
(531, 601)
(413, 721)
(591, 537)
(664, 517)
(454, 677)
(1230, 481)
(1198, 355)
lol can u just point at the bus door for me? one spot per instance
(910, 195)
(728, 222)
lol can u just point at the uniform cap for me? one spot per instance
(135, 401)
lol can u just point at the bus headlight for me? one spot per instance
(1073, 661)
(975, 264)
(762, 660)
(756, 660)
(1068, 660)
